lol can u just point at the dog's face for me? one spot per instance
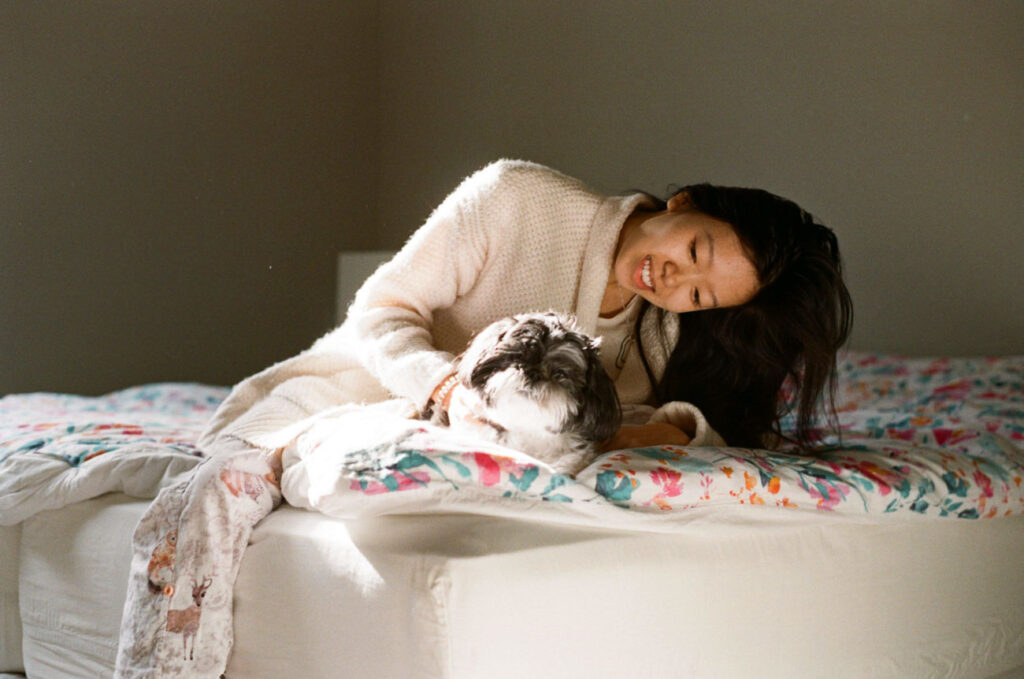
(541, 385)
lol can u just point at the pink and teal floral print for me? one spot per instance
(76, 429)
(936, 437)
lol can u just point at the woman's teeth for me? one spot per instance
(645, 275)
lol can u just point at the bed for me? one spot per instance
(894, 554)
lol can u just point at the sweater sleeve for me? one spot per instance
(392, 315)
(690, 419)
(681, 414)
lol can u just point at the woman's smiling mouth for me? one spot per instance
(642, 275)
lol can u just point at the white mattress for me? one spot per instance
(469, 597)
(73, 576)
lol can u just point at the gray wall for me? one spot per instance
(175, 181)
(176, 178)
(898, 123)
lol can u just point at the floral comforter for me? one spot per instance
(57, 449)
(940, 437)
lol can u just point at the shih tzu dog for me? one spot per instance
(538, 386)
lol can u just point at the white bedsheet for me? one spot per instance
(467, 596)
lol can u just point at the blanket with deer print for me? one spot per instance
(187, 550)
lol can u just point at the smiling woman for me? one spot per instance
(707, 302)
(768, 279)
(681, 260)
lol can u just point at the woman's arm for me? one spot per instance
(643, 435)
(392, 316)
(675, 423)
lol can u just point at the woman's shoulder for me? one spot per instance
(523, 198)
(526, 176)
(514, 167)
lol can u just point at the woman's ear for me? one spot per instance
(680, 201)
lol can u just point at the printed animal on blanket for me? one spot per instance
(161, 565)
(536, 384)
(240, 482)
(185, 621)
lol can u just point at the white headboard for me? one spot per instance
(353, 268)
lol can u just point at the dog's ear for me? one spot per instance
(481, 358)
(601, 414)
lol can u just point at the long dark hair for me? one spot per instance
(732, 362)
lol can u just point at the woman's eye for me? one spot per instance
(693, 250)
(696, 297)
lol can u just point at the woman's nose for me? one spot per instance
(672, 274)
(676, 275)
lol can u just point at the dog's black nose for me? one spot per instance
(532, 337)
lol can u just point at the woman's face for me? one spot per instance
(683, 260)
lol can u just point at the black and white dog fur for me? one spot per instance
(540, 388)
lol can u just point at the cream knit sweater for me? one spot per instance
(513, 237)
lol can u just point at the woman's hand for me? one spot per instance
(641, 436)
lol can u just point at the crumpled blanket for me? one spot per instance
(58, 449)
(187, 550)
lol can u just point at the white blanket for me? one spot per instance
(59, 449)
(32, 483)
